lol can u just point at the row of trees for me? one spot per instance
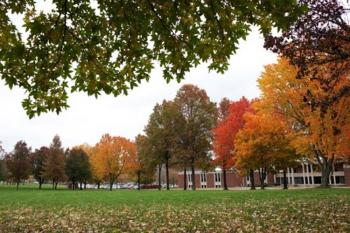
(280, 128)
(303, 109)
(108, 160)
(46, 163)
(306, 94)
(268, 134)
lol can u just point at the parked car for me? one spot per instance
(149, 186)
(91, 186)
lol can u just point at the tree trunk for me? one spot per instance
(193, 176)
(111, 181)
(73, 184)
(40, 182)
(98, 184)
(53, 183)
(17, 184)
(326, 170)
(225, 178)
(285, 181)
(81, 185)
(262, 178)
(185, 179)
(56, 183)
(167, 172)
(139, 180)
(159, 177)
(252, 181)
(85, 184)
(325, 165)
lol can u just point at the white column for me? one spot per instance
(292, 169)
(334, 180)
(302, 166)
(189, 180)
(288, 176)
(307, 173)
(312, 174)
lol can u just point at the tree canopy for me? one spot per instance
(38, 161)
(18, 162)
(55, 162)
(77, 166)
(163, 133)
(318, 38)
(263, 143)
(111, 46)
(230, 122)
(321, 136)
(114, 157)
(199, 116)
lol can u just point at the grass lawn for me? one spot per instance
(303, 210)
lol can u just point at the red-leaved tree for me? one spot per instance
(224, 133)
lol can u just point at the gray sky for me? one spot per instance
(88, 118)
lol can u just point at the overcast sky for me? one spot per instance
(88, 118)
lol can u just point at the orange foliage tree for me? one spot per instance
(264, 143)
(114, 157)
(230, 122)
(320, 131)
(97, 174)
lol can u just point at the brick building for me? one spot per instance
(306, 174)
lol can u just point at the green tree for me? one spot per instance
(55, 163)
(77, 167)
(146, 166)
(199, 116)
(18, 162)
(111, 47)
(3, 169)
(38, 160)
(162, 132)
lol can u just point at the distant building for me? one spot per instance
(306, 174)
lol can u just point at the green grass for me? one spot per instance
(304, 210)
(31, 196)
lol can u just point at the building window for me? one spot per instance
(298, 180)
(203, 177)
(340, 179)
(279, 180)
(217, 179)
(317, 180)
(189, 180)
